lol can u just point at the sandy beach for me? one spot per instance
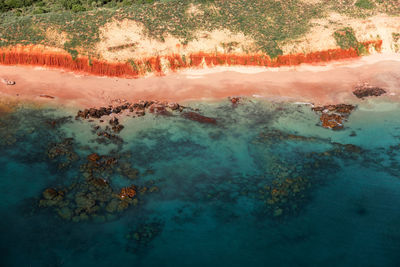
(318, 84)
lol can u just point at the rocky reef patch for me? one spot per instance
(334, 116)
(92, 195)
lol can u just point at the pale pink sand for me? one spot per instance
(328, 84)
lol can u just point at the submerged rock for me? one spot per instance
(284, 196)
(128, 192)
(199, 118)
(126, 170)
(59, 121)
(63, 152)
(271, 136)
(140, 237)
(52, 197)
(344, 151)
(93, 157)
(51, 193)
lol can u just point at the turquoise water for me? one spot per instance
(265, 186)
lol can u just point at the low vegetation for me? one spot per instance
(366, 4)
(345, 38)
(270, 23)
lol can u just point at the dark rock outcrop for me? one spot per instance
(367, 91)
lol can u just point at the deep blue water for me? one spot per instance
(265, 186)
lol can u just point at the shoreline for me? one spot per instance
(319, 84)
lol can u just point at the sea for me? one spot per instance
(265, 185)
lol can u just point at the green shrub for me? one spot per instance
(366, 4)
(39, 10)
(396, 36)
(18, 3)
(68, 4)
(271, 48)
(77, 8)
(345, 38)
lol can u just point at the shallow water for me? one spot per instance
(241, 192)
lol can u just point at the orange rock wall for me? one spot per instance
(137, 68)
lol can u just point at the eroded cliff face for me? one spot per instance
(161, 64)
